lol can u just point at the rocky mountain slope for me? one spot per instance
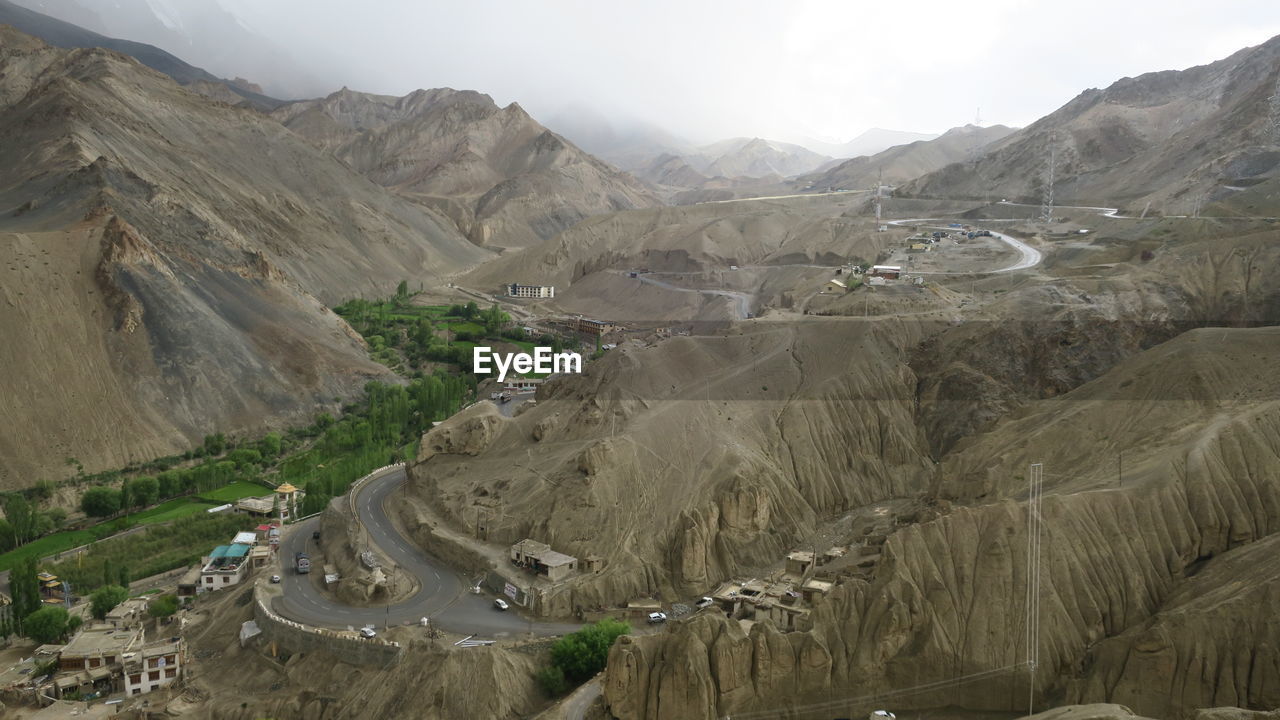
(505, 180)
(755, 157)
(1176, 139)
(187, 246)
(60, 33)
(869, 142)
(901, 163)
(1137, 572)
(206, 34)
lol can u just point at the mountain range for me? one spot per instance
(505, 179)
(1178, 139)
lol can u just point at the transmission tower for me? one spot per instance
(1275, 112)
(1046, 206)
(1035, 482)
(879, 190)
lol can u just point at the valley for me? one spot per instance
(978, 423)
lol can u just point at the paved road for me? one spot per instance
(575, 706)
(442, 594)
(742, 301)
(1028, 257)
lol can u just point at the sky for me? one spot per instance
(711, 69)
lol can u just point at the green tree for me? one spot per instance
(25, 589)
(56, 516)
(215, 444)
(100, 501)
(470, 309)
(269, 445)
(163, 606)
(551, 680)
(402, 290)
(582, 654)
(46, 625)
(22, 515)
(73, 624)
(105, 598)
(142, 491)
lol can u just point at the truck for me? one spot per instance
(302, 563)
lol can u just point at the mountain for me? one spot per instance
(1175, 139)
(756, 158)
(868, 143)
(630, 145)
(672, 170)
(204, 33)
(906, 162)
(506, 180)
(63, 34)
(167, 260)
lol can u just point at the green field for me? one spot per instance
(45, 546)
(468, 327)
(171, 510)
(232, 492)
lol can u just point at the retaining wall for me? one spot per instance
(297, 637)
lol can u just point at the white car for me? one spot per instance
(882, 715)
(704, 602)
(657, 617)
(275, 578)
(368, 632)
(500, 604)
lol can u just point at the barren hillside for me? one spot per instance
(1179, 139)
(187, 246)
(503, 178)
(901, 163)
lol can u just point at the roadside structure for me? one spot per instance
(516, 290)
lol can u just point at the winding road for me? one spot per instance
(1028, 257)
(442, 595)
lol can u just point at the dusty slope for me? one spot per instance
(187, 245)
(1172, 138)
(947, 601)
(692, 238)
(901, 163)
(686, 461)
(506, 180)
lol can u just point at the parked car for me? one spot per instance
(657, 617)
(368, 632)
(704, 602)
(500, 604)
(315, 535)
(275, 578)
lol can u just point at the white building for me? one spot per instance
(152, 668)
(517, 290)
(226, 566)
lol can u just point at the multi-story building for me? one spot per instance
(153, 667)
(516, 290)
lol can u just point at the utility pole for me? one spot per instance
(1046, 207)
(1120, 466)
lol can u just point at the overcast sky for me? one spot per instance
(715, 69)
